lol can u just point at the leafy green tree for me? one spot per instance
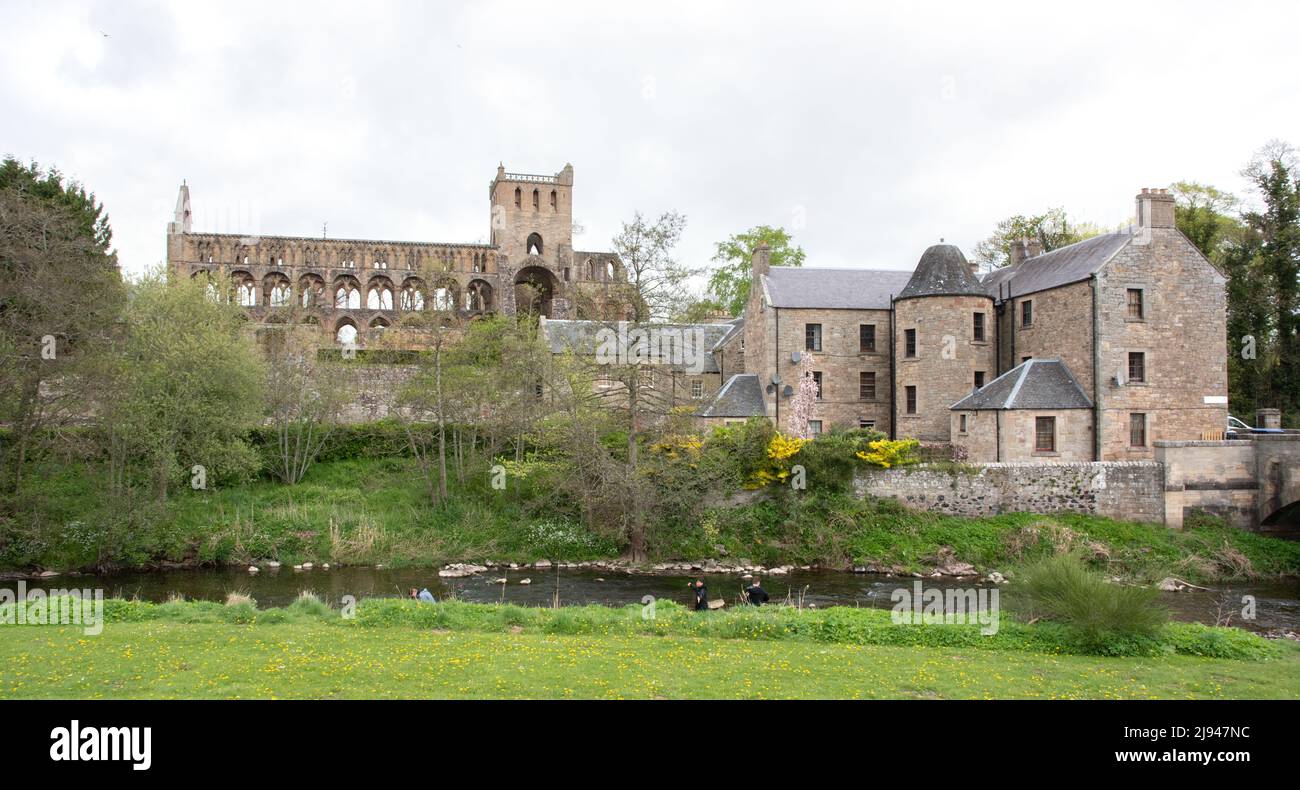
(187, 386)
(729, 283)
(1273, 251)
(1205, 215)
(60, 300)
(1053, 229)
(49, 187)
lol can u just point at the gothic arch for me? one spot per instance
(277, 291)
(478, 296)
(379, 293)
(534, 244)
(345, 331)
(413, 294)
(312, 288)
(347, 293)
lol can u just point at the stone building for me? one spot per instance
(1126, 333)
(353, 287)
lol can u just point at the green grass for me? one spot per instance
(374, 509)
(156, 659)
(835, 625)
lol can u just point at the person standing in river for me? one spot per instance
(701, 595)
(755, 593)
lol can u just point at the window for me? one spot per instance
(1136, 309)
(518, 197)
(961, 427)
(1044, 434)
(812, 337)
(909, 347)
(536, 201)
(869, 424)
(979, 379)
(814, 427)
(697, 389)
(1137, 366)
(911, 400)
(1027, 313)
(978, 328)
(866, 338)
(1137, 430)
(867, 385)
(817, 377)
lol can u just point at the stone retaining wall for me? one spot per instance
(1129, 490)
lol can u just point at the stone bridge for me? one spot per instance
(1252, 483)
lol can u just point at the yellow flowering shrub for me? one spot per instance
(779, 452)
(888, 453)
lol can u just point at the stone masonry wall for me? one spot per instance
(1129, 490)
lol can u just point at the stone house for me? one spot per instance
(1134, 322)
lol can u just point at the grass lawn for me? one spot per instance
(321, 660)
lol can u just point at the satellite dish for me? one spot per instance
(771, 388)
(776, 378)
(795, 356)
(788, 391)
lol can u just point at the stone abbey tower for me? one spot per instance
(352, 288)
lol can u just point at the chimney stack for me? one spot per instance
(760, 260)
(1155, 208)
(1033, 247)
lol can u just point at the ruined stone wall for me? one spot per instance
(1131, 491)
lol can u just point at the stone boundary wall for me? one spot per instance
(1128, 490)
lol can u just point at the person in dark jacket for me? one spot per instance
(755, 593)
(701, 595)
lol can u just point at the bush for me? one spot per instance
(1104, 618)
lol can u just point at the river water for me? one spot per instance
(1277, 602)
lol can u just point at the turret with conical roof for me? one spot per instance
(943, 342)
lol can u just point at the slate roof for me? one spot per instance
(737, 326)
(581, 337)
(741, 396)
(1033, 384)
(847, 289)
(942, 271)
(1063, 266)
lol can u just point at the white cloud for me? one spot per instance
(885, 126)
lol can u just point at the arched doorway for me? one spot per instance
(534, 289)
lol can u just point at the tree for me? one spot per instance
(60, 302)
(304, 398)
(805, 398)
(1270, 262)
(729, 283)
(185, 387)
(657, 279)
(49, 188)
(1204, 215)
(1053, 229)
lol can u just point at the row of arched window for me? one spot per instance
(311, 255)
(347, 294)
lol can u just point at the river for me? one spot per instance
(1277, 602)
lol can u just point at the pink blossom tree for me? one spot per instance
(805, 397)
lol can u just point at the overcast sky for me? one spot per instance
(870, 130)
